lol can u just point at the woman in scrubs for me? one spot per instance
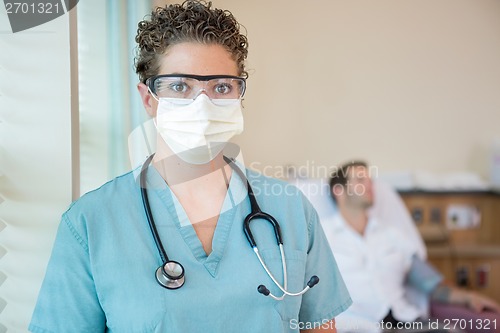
(101, 275)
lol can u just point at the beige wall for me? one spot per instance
(407, 84)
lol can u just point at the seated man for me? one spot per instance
(377, 260)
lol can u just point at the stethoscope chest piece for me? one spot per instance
(170, 275)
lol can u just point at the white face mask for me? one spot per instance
(198, 131)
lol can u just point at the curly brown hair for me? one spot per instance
(191, 21)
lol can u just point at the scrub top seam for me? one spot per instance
(75, 233)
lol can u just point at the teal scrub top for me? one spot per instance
(101, 274)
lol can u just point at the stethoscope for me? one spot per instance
(171, 273)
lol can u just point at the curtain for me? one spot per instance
(35, 159)
(110, 107)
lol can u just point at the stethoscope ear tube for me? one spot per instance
(261, 215)
(256, 212)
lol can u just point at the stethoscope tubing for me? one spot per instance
(149, 214)
(256, 213)
(162, 275)
(285, 278)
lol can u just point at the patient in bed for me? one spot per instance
(379, 260)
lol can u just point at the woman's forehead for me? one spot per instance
(198, 59)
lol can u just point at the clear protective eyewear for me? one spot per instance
(188, 87)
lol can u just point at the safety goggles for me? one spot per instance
(186, 86)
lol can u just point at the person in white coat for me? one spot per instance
(377, 260)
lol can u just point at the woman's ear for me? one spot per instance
(149, 102)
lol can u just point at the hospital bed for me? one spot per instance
(389, 208)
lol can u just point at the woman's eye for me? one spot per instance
(223, 88)
(178, 87)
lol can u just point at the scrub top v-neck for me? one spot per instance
(176, 215)
(101, 274)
